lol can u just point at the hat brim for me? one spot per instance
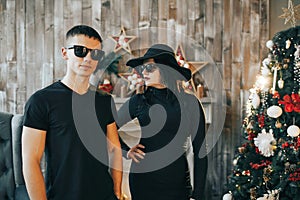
(135, 62)
(139, 61)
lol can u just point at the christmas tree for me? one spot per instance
(267, 165)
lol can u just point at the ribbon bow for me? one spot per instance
(291, 102)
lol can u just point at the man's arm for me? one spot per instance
(114, 149)
(33, 145)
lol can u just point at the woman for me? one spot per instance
(168, 117)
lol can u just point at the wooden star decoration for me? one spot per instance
(194, 66)
(291, 13)
(123, 41)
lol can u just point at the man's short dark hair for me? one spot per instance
(83, 30)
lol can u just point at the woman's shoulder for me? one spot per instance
(190, 101)
(136, 98)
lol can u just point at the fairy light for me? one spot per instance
(262, 83)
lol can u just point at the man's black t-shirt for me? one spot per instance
(76, 146)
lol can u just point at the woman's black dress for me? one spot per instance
(166, 120)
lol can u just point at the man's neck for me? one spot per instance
(78, 85)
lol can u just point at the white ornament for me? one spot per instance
(288, 44)
(264, 142)
(265, 197)
(265, 71)
(270, 44)
(263, 82)
(273, 195)
(139, 80)
(121, 40)
(235, 162)
(227, 196)
(252, 90)
(125, 45)
(293, 131)
(186, 84)
(132, 87)
(133, 82)
(297, 52)
(250, 126)
(186, 65)
(134, 76)
(274, 79)
(106, 81)
(274, 111)
(255, 100)
(129, 78)
(262, 198)
(280, 83)
(266, 62)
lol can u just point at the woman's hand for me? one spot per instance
(135, 153)
(122, 197)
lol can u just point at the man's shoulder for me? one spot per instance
(45, 90)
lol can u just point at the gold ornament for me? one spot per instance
(241, 149)
(253, 193)
(278, 124)
(250, 125)
(286, 60)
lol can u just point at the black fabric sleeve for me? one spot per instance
(200, 154)
(126, 113)
(36, 114)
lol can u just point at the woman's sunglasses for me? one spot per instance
(149, 67)
(82, 51)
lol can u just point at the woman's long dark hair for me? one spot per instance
(169, 76)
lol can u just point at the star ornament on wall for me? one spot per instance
(122, 41)
(194, 66)
(291, 13)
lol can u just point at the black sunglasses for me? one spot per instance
(82, 51)
(149, 67)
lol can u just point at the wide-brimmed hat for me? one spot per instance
(163, 54)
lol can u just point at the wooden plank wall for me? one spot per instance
(233, 32)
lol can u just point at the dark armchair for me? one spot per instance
(12, 185)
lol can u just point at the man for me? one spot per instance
(75, 127)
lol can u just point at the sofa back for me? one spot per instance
(12, 184)
(7, 185)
